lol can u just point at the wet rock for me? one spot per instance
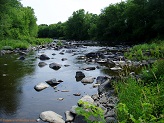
(79, 75)
(77, 94)
(88, 80)
(63, 59)
(61, 53)
(55, 66)
(60, 99)
(42, 64)
(66, 65)
(53, 54)
(89, 68)
(87, 98)
(40, 86)
(52, 117)
(69, 116)
(44, 57)
(52, 82)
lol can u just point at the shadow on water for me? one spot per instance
(11, 72)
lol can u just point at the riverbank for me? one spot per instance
(141, 97)
(11, 44)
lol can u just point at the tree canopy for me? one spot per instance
(16, 21)
(132, 21)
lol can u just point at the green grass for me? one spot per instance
(22, 43)
(142, 100)
(146, 51)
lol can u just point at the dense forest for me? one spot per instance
(131, 21)
(16, 21)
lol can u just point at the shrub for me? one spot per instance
(91, 112)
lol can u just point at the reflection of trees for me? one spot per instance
(11, 85)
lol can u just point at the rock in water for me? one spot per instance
(52, 117)
(55, 66)
(79, 75)
(42, 64)
(44, 57)
(40, 86)
(87, 98)
(52, 82)
(88, 80)
(69, 116)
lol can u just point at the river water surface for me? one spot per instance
(18, 98)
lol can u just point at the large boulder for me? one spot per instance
(105, 86)
(51, 117)
(55, 66)
(88, 80)
(44, 57)
(87, 98)
(40, 86)
(101, 79)
(69, 116)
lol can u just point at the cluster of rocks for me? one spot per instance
(43, 85)
(105, 99)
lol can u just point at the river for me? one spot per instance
(19, 99)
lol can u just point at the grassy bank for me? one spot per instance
(141, 100)
(153, 50)
(23, 43)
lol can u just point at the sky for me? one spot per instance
(53, 11)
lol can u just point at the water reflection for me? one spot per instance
(11, 72)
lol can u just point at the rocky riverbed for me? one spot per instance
(110, 60)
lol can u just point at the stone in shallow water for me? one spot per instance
(52, 117)
(69, 116)
(44, 57)
(88, 79)
(55, 66)
(40, 86)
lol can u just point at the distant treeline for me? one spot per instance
(133, 21)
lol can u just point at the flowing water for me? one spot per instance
(18, 98)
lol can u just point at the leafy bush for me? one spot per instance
(91, 112)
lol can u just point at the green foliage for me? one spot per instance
(146, 51)
(142, 100)
(16, 21)
(92, 113)
(59, 43)
(10, 44)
